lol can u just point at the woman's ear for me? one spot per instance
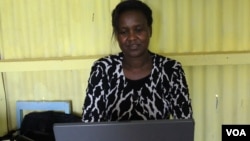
(114, 35)
(150, 31)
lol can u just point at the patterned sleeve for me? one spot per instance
(94, 104)
(180, 100)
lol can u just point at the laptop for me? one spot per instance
(141, 130)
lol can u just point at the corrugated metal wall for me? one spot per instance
(31, 29)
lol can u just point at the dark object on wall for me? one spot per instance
(38, 126)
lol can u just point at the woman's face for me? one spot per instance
(133, 33)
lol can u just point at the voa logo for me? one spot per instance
(236, 132)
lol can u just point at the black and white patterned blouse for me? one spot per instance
(110, 96)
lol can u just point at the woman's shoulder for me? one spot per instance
(159, 59)
(109, 59)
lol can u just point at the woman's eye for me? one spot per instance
(138, 30)
(122, 32)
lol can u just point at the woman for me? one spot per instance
(135, 84)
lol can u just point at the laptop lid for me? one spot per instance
(149, 130)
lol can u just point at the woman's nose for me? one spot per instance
(131, 36)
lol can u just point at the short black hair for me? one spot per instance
(129, 5)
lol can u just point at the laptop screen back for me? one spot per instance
(149, 130)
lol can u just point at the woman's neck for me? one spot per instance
(137, 62)
(137, 68)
